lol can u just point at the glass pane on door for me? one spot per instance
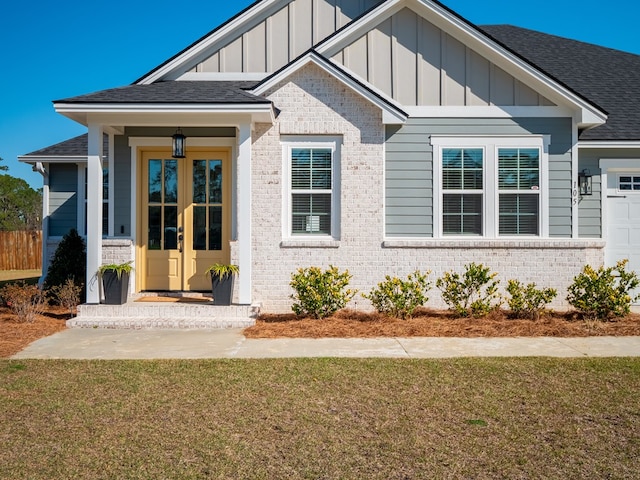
(207, 200)
(199, 228)
(163, 205)
(215, 228)
(155, 228)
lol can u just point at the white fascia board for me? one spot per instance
(392, 112)
(619, 164)
(167, 115)
(217, 39)
(609, 144)
(161, 108)
(470, 36)
(32, 160)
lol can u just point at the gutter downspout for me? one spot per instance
(39, 167)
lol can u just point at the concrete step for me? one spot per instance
(163, 315)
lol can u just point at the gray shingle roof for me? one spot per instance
(606, 77)
(174, 93)
(609, 78)
(74, 147)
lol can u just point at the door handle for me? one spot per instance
(616, 196)
(180, 238)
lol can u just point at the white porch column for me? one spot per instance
(94, 211)
(244, 213)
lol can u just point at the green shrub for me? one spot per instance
(25, 301)
(69, 261)
(604, 293)
(475, 293)
(320, 293)
(528, 301)
(399, 298)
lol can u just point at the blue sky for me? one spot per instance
(55, 50)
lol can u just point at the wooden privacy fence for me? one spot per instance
(21, 250)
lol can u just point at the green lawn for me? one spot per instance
(320, 419)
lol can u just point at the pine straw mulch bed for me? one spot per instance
(432, 323)
(16, 335)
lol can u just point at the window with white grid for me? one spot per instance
(311, 200)
(490, 186)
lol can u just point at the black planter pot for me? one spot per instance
(116, 289)
(222, 289)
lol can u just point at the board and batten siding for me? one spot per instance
(590, 206)
(417, 63)
(409, 169)
(63, 198)
(283, 35)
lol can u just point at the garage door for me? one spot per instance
(623, 219)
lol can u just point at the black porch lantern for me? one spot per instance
(178, 144)
(585, 182)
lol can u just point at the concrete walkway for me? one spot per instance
(87, 344)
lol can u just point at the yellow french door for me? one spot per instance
(185, 218)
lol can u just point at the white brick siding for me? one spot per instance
(117, 250)
(310, 102)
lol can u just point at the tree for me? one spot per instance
(20, 205)
(69, 262)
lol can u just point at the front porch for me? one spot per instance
(146, 312)
(181, 212)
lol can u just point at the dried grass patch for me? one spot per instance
(15, 335)
(432, 323)
(374, 419)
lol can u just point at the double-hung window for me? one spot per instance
(311, 205)
(462, 191)
(519, 191)
(490, 186)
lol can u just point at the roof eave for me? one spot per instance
(609, 144)
(163, 114)
(33, 159)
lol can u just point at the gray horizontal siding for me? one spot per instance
(590, 207)
(63, 198)
(409, 169)
(409, 181)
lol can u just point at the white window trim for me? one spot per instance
(490, 145)
(289, 143)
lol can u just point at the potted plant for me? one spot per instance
(115, 282)
(222, 278)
